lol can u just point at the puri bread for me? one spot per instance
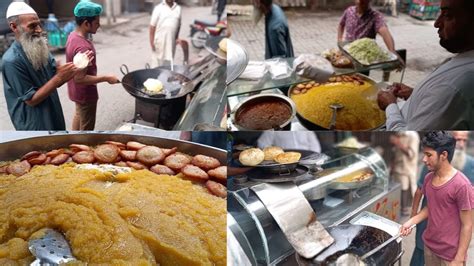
(80, 60)
(288, 157)
(271, 152)
(251, 157)
(223, 45)
(153, 85)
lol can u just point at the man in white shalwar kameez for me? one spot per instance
(164, 29)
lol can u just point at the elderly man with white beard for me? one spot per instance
(31, 75)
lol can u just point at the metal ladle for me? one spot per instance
(50, 249)
(334, 107)
(353, 259)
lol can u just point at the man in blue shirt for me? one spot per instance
(30, 74)
(461, 161)
(277, 34)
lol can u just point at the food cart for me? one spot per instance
(350, 190)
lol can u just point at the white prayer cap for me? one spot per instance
(19, 8)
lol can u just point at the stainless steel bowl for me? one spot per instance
(264, 98)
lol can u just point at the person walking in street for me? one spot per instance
(220, 8)
(277, 33)
(361, 21)
(445, 98)
(405, 164)
(461, 161)
(31, 75)
(164, 30)
(82, 89)
(450, 200)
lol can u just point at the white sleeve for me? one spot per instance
(441, 107)
(313, 142)
(266, 139)
(395, 120)
(155, 16)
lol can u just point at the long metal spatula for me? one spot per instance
(373, 251)
(353, 259)
(50, 249)
(297, 220)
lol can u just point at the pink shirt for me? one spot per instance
(444, 205)
(365, 26)
(81, 93)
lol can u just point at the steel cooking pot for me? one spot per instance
(264, 98)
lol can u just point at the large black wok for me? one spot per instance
(356, 239)
(177, 85)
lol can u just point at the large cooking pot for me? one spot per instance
(15, 149)
(314, 126)
(264, 99)
(356, 239)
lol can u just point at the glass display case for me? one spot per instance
(207, 107)
(336, 190)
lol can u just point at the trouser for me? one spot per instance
(418, 257)
(407, 182)
(84, 118)
(405, 200)
(432, 260)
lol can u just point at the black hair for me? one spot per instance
(440, 141)
(266, 3)
(80, 20)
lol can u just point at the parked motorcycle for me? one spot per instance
(202, 30)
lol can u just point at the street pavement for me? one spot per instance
(314, 32)
(124, 43)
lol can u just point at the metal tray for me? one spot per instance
(237, 60)
(258, 175)
(371, 219)
(15, 149)
(344, 185)
(393, 57)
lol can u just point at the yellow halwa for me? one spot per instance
(359, 112)
(136, 218)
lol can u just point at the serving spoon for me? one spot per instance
(334, 107)
(50, 249)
